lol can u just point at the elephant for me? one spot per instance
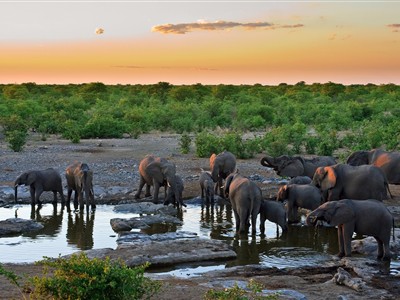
(343, 181)
(221, 166)
(40, 181)
(170, 198)
(157, 171)
(207, 186)
(245, 197)
(292, 166)
(388, 162)
(368, 217)
(305, 196)
(274, 212)
(300, 180)
(80, 180)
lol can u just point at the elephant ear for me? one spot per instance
(292, 167)
(31, 178)
(343, 213)
(228, 183)
(329, 178)
(283, 193)
(212, 160)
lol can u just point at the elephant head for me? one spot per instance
(285, 165)
(282, 193)
(26, 178)
(358, 158)
(324, 178)
(334, 213)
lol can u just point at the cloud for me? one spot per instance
(99, 30)
(395, 27)
(184, 28)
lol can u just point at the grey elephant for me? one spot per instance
(343, 181)
(157, 172)
(275, 212)
(300, 180)
(80, 180)
(245, 197)
(171, 194)
(305, 196)
(388, 162)
(207, 186)
(292, 166)
(368, 217)
(221, 166)
(40, 181)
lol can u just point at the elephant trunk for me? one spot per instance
(268, 161)
(16, 193)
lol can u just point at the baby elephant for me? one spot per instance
(369, 217)
(80, 179)
(272, 211)
(170, 198)
(207, 186)
(299, 195)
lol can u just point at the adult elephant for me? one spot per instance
(157, 171)
(369, 217)
(388, 162)
(245, 197)
(292, 166)
(80, 180)
(221, 166)
(305, 196)
(40, 181)
(343, 181)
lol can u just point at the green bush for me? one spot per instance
(207, 144)
(79, 277)
(16, 139)
(184, 143)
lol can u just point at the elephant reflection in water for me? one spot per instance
(247, 252)
(52, 223)
(217, 217)
(80, 229)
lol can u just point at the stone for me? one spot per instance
(17, 226)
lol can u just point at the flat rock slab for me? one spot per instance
(17, 226)
(119, 224)
(146, 208)
(168, 252)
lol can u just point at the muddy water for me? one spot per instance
(66, 232)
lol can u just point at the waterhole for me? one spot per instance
(67, 232)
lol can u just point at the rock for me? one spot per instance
(132, 238)
(146, 208)
(17, 226)
(343, 277)
(119, 224)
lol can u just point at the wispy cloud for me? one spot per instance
(99, 30)
(184, 28)
(395, 27)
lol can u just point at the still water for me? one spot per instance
(67, 232)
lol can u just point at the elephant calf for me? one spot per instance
(305, 196)
(40, 181)
(369, 217)
(80, 179)
(171, 198)
(207, 186)
(274, 212)
(245, 197)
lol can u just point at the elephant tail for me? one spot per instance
(387, 187)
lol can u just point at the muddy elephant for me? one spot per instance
(221, 166)
(305, 196)
(275, 212)
(245, 197)
(388, 162)
(300, 180)
(170, 198)
(292, 166)
(80, 181)
(368, 217)
(157, 172)
(342, 181)
(207, 186)
(40, 181)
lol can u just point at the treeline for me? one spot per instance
(300, 118)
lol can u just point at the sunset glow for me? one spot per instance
(143, 42)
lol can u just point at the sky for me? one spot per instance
(207, 42)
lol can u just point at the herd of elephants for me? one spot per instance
(347, 195)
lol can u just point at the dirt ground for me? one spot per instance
(115, 163)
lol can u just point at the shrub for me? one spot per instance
(79, 277)
(184, 143)
(16, 139)
(207, 144)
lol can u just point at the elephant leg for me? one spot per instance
(38, 192)
(237, 221)
(347, 235)
(69, 193)
(80, 198)
(141, 185)
(55, 197)
(340, 240)
(380, 248)
(262, 224)
(91, 197)
(202, 194)
(76, 199)
(156, 190)
(32, 192)
(253, 224)
(147, 194)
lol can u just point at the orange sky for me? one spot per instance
(265, 43)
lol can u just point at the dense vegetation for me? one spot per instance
(300, 118)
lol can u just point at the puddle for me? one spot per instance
(67, 232)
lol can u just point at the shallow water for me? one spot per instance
(67, 232)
